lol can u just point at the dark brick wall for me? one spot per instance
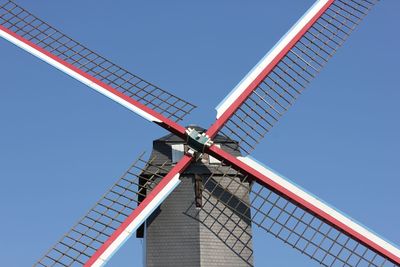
(172, 238)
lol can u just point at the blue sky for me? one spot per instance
(62, 145)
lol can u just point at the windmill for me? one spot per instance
(279, 207)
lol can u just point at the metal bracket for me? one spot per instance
(197, 142)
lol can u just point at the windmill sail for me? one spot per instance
(32, 34)
(275, 83)
(116, 216)
(290, 222)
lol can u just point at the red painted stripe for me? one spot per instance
(220, 122)
(178, 168)
(166, 123)
(265, 181)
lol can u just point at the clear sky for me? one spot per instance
(62, 144)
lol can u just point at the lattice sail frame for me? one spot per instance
(273, 86)
(76, 59)
(107, 215)
(284, 219)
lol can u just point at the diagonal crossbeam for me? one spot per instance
(268, 91)
(117, 215)
(140, 214)
(317, 208)
(282, 218)
(35, 36)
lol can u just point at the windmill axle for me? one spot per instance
(197, 142)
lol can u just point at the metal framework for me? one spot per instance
(276, 205)
(93, 230)
(282, 81)
(286, 220)
(39, 38)
(317, 208)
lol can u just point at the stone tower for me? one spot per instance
(195, 226)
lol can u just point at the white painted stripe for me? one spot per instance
(290, 186)
(77, 76)
(268, 58)
(139, 220)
